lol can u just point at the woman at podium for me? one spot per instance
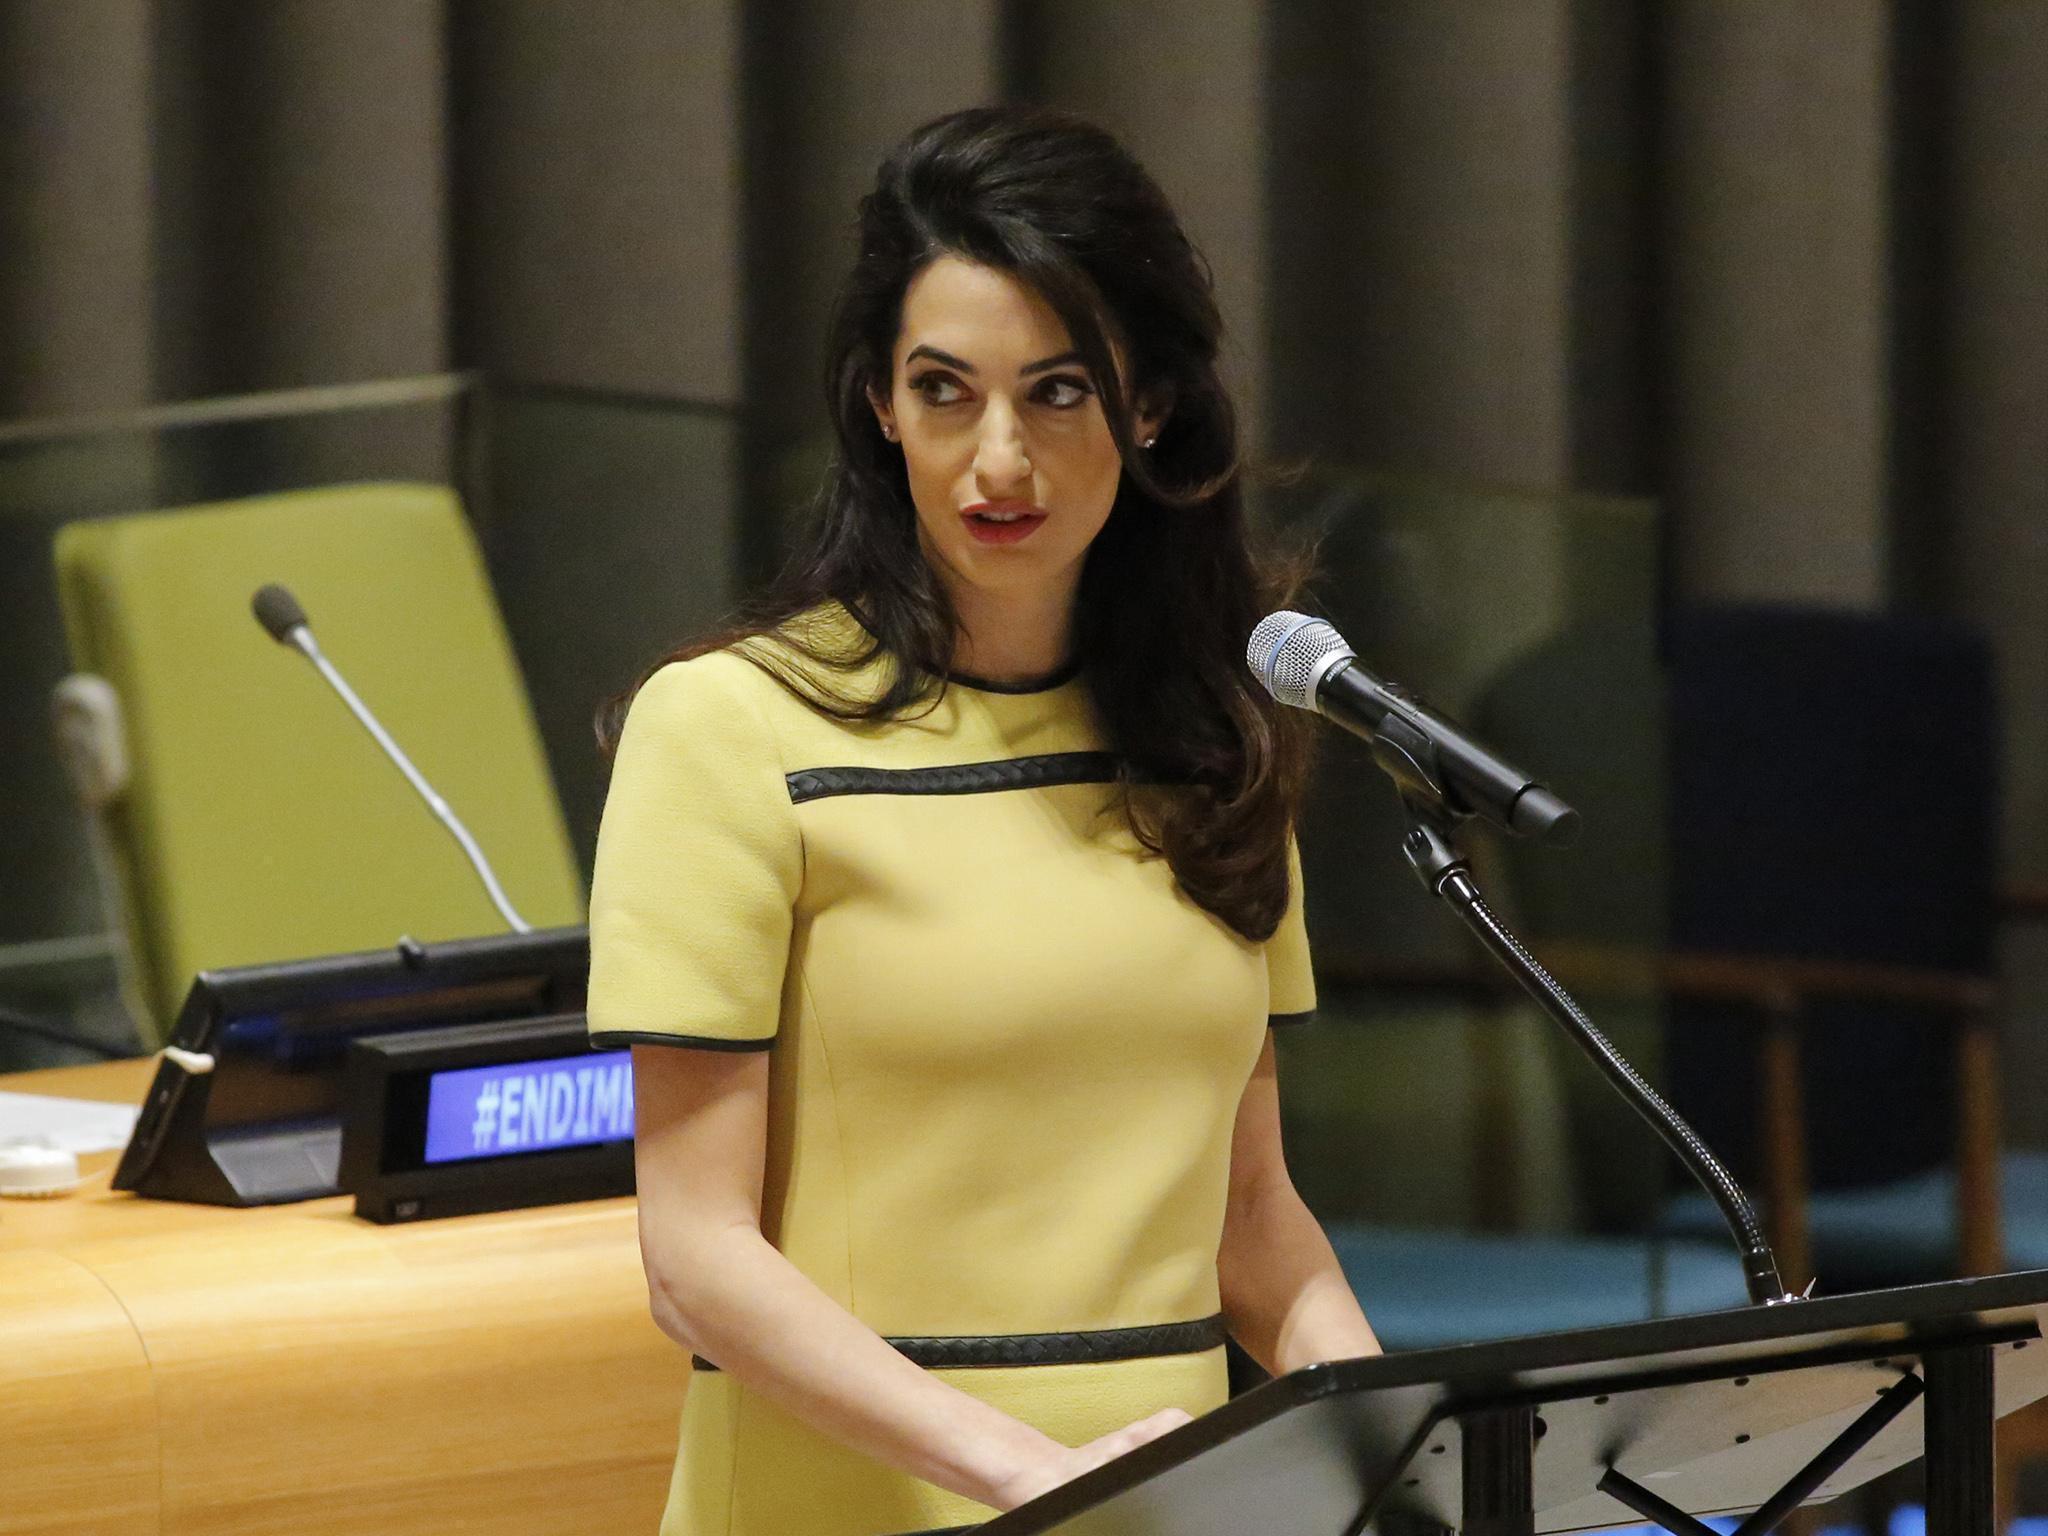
(947, 902)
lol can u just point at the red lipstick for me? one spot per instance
(1002, 522)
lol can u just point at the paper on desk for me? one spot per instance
(70, 1125)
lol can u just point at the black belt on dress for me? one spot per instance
(962, 1352)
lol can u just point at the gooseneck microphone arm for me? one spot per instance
(1444, 873)
(1293, 655)
(281, 616)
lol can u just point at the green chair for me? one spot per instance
(255, 820)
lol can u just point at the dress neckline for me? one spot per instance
(1046, 684)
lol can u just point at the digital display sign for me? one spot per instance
(529, 1106)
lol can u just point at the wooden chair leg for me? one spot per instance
(1978, 1217)
(2022, 1438)
(1784, 1139)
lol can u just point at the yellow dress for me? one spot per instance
(1005, 1058)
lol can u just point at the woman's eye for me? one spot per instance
(937, 388)
(1064, 393)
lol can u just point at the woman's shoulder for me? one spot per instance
(708, 679)
(822, 653)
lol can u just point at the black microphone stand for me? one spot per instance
(1433, 818)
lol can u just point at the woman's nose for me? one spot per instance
(999, 457)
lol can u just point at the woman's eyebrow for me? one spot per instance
(947, 358)
(1051, 362)
(950, 361)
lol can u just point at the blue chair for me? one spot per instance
(1834, 812)
(1808, 805)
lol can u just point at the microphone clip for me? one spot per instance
(1408, 756)
(1429, 850)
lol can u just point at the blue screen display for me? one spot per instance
(529, 1106)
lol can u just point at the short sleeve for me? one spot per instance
(1290, 980)
(699, 862)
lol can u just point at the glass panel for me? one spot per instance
(1530, 618)
(612, 527)
(608, 524)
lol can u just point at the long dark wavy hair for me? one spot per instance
(1213, 770)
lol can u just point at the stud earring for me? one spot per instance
(1151, 440)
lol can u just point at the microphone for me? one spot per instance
(1304, 662)
(1444, 775)
(285, 622)
(279, 613)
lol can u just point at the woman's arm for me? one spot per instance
(720, 1289)
(1284, 1297)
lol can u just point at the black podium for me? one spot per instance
(1725, 1413)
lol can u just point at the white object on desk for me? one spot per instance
(29, 1171)
(69, 1125)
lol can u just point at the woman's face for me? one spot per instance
(1012, 467)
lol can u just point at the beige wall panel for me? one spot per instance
(1613, 344)
(598, 235)
(75, 289)
(1998, 475)
(847, 86)
(74, 206)
(1775, 236)
(1460, 357)
(301, 167)
(356, 236)
(1183, 85)
(1998, 301)
(613, 539)
(839, 82)
(598, 216)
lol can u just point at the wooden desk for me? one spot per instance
(183, 1368)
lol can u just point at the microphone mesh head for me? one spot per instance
(277, 611)
(1289, 651)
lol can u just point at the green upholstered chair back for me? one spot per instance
(261, 822)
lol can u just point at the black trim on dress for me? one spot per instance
(963, 1352)
(1058, 678)
(957, 779)
(613, 1039)
(1282, 1020)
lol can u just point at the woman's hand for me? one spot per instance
(1066, 1464)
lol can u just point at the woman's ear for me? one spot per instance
(884, 416)
(1154, 406)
